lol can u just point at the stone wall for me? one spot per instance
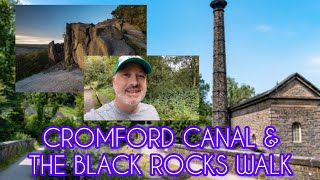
(257, 117)
(308, 116)
(10, 149)
(302, 167)
(282, 113)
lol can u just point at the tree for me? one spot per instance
(135, 15)
(79, 106)
(205, 109)
(236, 93)
(11, 114)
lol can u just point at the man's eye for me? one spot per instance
(126, 74)
(142, 76)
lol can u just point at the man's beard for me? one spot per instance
(125, 98)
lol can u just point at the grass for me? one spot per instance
(68, 111)
(95, 99)
(108, 92)
(104, 91)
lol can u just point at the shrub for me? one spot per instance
(20, 135)
(177, 105)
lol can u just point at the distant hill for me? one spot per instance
(28, 48)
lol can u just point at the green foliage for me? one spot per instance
(135, 15)
(205, 109)
(64, 122)
(69, 111)
(99, 70)
(34, 127)
(236, 93)
(177, 105)
(84, 138)
(11, 115)
(79, 107)
(31, 63)
(173, 87)
(107, 90)
(19, 136)
(47, 105)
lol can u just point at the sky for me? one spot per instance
(266, 40)
(37, 24)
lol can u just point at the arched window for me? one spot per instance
(253, 138)
(296, 132)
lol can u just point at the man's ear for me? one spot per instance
(113, 79)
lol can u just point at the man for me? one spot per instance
(130, 86)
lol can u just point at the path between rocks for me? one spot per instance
(21, 169)
(54, 81)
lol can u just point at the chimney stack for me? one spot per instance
(219, 92)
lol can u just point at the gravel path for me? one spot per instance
(55, 81)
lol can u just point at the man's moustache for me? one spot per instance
(132, 88)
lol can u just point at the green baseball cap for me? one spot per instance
(137, 59)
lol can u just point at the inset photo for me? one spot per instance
(52, 42)
(142, 88)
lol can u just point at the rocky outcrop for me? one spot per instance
(56, 52)
(132, 34)
(110, 37)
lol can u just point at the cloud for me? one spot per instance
(24, 2)
(27, 39)
(315, 61)
(263, 28)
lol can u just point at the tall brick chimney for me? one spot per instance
(219, 92)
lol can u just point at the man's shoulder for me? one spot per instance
(100, 113)
(145, 106)
(105, 108)
(148, 111)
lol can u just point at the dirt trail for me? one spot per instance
(54, 81)
(88, 101)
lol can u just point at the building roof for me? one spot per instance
(30, 110)
(267, 94)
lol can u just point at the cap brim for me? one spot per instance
(142, 62)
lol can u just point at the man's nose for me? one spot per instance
(134, 81)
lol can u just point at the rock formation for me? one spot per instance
(110, 37)
(55, 52)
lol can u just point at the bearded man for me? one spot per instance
(130, 86)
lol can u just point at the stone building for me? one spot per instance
(293, 107)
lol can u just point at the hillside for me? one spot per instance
(28, 48)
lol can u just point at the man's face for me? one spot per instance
(130, 84)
